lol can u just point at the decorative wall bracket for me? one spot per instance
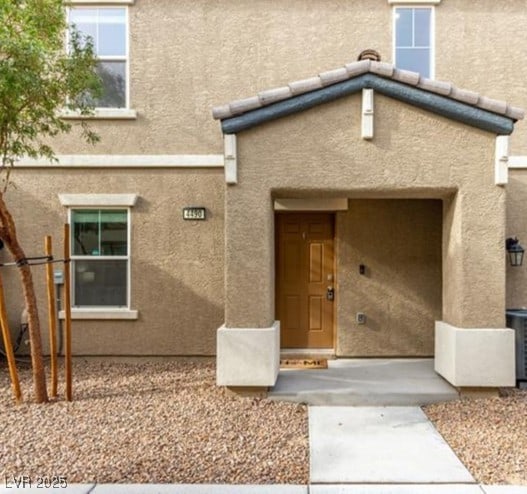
(501, 174)
(367, 114)
(231, 162)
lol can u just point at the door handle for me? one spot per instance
(330, 293)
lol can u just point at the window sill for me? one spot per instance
(101, 314)
(100, 2)
(101, 114)
(435, 2)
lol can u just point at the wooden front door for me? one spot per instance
(305, 279)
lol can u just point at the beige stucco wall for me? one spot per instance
(517, 227)
(481, 45)
(414, 154)
(188, 56)
(176, 265)
(399, 242)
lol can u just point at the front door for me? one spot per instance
(305, 279)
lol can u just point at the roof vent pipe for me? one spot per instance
(370, 55)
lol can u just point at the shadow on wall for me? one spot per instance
(32, 228)
(517, 227)
(179, 295)
(173, 318)
(397, 318)
(399, 242)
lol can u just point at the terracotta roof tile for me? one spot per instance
(382, 68)
(493, 105)
(273, 95)
(433, 86)
(465, 96)
(355, 69)
(515, 112)
(240, 106)
(406, 76)
(221, 112)
(333, 76)
(305, 85)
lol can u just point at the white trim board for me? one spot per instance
(501, 163)
(413, 2)
(230, 161)
(517, 161)
(99, 314)
(103, 200)
(102, 113)
(313, 204)
(99, 2)
(126, 161)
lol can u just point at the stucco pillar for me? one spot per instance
(472, 345)
(474, 259)
(249, 258)
(248, 345)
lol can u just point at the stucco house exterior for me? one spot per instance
(346, 205)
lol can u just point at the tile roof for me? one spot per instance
(355, 69)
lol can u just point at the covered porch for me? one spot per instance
(380, 138)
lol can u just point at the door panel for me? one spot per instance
(292, 312)
(291, 267)
(316, 251)
(315, 313)
(304, 272)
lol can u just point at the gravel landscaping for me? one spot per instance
(488, 435)
(167, 422)
(161, 422)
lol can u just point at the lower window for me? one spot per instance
(100, 257)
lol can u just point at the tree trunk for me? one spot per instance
(8, 235)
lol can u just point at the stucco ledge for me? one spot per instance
(474, 357)
(248, 356)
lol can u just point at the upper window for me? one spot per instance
(100, 257)
(413, 42)
(108, 29)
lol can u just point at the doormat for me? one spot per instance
(305, 363)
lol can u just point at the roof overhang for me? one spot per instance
(433, 102)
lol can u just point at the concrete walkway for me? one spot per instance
(382, 445)
(365, 382)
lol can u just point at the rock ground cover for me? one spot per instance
(155, 422)
(167, 422)
(488, 435)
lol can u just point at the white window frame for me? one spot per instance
(99, 2)
(412, 2)
(108, 112)
(79, 202)
(416, 5)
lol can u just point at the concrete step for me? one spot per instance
(365, 382)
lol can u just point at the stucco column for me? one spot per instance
(472, 345)
(249, 258)
(248, 345)
(474, 259)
